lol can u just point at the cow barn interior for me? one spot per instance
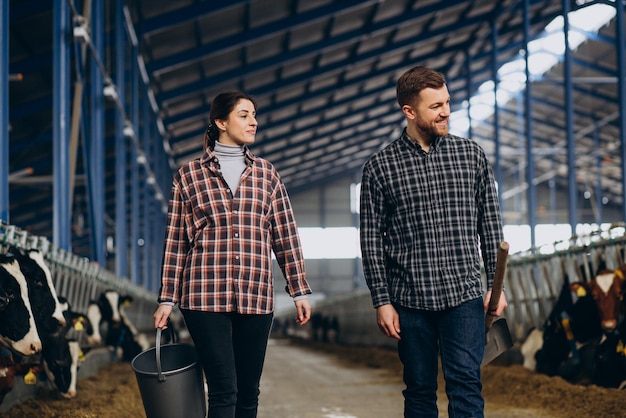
(103, 100)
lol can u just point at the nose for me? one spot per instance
(445, 110)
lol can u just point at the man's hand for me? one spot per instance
(388, 321)
(502, 304)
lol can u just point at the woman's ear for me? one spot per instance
(220, 124)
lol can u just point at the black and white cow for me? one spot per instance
(103, 313)
(41, 291)
(120, 335)
(62, 351)
(18, 331)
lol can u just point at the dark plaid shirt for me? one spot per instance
(217, 251)
(426, 217)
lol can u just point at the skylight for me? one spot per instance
(545, 53)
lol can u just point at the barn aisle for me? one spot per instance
(304, 379)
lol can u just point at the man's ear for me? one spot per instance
(408, 111)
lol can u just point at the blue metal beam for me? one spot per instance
(61, 225)
(530, 167)
(121, 156)
(135, 258)
(621, 72)
(4, 111)
(96, 152)
(572, 187)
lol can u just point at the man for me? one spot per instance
(428, 204)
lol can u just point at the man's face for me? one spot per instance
(431, 112)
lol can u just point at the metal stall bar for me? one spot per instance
(4, 111)
(61, 217)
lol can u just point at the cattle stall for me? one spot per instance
(80, 282)
(533, 282)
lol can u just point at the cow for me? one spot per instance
(121, 335)
(570, 334)
(10, 369)
(103, 311)
(574, 331)
(62, 352)
(606, 290)
(41, 291)
(18, 331)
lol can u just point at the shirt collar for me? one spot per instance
(435, 146)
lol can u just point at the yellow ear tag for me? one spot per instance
(619, 274)
(30, 378)
(81, 355)
(620, 348)
(78, 326)
(126, 303)
(581, 292)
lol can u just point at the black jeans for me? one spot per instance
(231, 348)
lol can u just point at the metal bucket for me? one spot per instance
(170, 380)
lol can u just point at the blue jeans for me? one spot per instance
(458, 335)
(231, 348)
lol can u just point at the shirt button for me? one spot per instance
(236, 234)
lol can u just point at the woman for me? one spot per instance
(228, 211)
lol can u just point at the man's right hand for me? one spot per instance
(388, 321)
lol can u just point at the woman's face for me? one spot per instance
(240, 127)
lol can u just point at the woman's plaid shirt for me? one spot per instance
(424, 217)
(217, 250)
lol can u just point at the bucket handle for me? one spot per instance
(158, 351)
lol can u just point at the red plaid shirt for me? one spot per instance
(217, 251)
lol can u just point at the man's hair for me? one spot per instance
(412, 82)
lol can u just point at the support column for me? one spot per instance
(61, 215)
(4, 111)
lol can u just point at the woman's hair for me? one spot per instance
(222, 105)
(412, 82)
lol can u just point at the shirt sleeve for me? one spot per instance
(286, 244)
(371, 237)
(489, 219)
(175, 247)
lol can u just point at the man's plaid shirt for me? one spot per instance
(421, 218)
(217, 250)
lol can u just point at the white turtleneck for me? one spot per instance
(232, 163)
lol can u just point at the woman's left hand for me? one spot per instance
(303, 309)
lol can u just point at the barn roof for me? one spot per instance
(323, 73)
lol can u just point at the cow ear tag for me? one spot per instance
(30, 378)
(81, 355)
(581, 292)
(126, 303)
(78, 326)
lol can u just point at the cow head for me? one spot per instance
(606, 290)
(17, 325)
(48, 315)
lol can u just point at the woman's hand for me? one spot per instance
(160, 316)
(303, 308)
